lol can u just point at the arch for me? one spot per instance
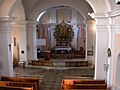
(118, 72)
(17, 10)
(57, 8)
(47, 5)
(13, 7)
(7, 7)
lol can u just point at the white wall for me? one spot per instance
(22, 43)
(118, 73)
(19, 27)
(116, 60)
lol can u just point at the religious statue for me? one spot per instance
(63, 34)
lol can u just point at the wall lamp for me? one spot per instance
(109, 52)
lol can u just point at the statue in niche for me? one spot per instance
(63, 34)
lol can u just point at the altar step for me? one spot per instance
(61, 64)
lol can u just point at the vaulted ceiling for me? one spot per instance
(30, 5)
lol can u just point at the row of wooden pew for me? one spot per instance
(42, 63)
(15, 83)
(76, 63)
(83, 84)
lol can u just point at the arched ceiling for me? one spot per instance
(31, 5)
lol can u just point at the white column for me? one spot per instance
(114, 29)
(110, 62)
(53, 16)
(101, 44)
(6, 66)
(31, 41)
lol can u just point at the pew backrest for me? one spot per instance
(16, 79)
(18, 84)
(15, 88)
(81, 81)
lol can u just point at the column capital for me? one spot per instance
(7, 19)
(101, 18)
(20, 24)
(98, 15)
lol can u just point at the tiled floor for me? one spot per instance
(52, 77)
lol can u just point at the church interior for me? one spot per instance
(59, 44)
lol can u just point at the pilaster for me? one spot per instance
(111, 60)
(31, 41)
(6, 65)
(101, 45)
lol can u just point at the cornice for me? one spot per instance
(98, 15)
(114, 13)
(7, 18)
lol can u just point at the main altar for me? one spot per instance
(63, 35)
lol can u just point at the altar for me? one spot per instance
(62, 53)
(63, 34)
(63, 48)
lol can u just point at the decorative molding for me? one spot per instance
(98, 15)
(7, 18)
(114, 13)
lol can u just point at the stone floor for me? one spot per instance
(52, 77)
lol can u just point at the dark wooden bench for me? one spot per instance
(15, 88)
(83, 84)
(85, 81)
(18, 84)
(16, 79)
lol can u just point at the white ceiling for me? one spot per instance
(30, 5)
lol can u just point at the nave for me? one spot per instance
(52, 77)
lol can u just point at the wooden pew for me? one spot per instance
(16, 79)
(83, 84)
(84, 81)
(15, 88)
(18, 84)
